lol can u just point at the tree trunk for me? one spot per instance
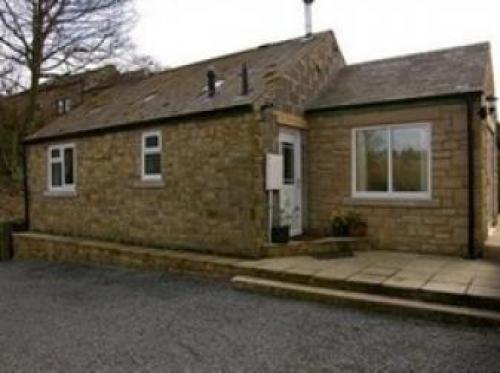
(35, 69)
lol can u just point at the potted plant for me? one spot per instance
(281, 232)
(340, 227)
(348, 224)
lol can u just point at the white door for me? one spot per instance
(291, 193)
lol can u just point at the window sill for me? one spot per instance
(60, 193)
(392, 202)
(149, 184)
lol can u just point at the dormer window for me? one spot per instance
(63, 106)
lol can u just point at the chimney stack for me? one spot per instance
(211, 78)
(308, 15)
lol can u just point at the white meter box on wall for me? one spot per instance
(274, 171)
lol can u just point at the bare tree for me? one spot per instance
(43, 38)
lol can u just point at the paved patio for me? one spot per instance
(478, 278)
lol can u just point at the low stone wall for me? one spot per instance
(36, 246)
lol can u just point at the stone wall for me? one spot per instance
(302, 79)
(486, 177)
(438, 226)
(209, 200)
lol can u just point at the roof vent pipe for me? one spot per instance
(211, 78)
(308, 15)
(245, 85)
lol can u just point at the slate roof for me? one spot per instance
(179, 91)
(443, 72)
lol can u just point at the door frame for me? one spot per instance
(294, 136)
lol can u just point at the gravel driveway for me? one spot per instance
(62, 318)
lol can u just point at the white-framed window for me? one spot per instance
(151, 156)
(392, 161)
(62, 168)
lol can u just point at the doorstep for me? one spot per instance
(331, 247)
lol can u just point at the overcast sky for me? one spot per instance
(177, 32)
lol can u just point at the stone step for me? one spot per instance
(324, 281)
(399, 306)
(326, 247)
(492, 252)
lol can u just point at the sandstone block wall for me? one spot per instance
(438, 226)
(209, 199)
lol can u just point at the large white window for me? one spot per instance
(392, 161)
(151, 156)
(61, 167)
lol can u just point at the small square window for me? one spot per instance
(151, 141)
(55, 153)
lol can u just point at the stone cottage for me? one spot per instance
(178, 159)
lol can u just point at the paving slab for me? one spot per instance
(380, 270)
(445, 287)
(425, 265)
(415, 275)
(463, 278)
(488, 275)
(404, 282)
(484, 291)
(301, 271)
(339, 272)
(313, 265)
(488, 282)
(367, 279)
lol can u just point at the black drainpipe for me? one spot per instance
(471, 254)
(26, 190)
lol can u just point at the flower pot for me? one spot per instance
(340, 230)
(358, 229)
(280, 234)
